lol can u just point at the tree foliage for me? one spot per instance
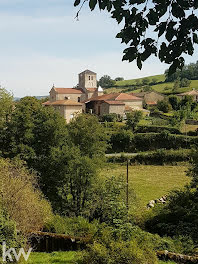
(66, 157)
(106, 81)
(21, 197)
(133, 119)
(175, 24)
(189, 71)
(164, 106)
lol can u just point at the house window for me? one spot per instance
(92, 78)
(78, 99)
(89, 78)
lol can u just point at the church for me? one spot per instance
(87, 97)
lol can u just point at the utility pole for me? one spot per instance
(127, 186)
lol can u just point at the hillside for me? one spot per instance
(161, 86)
(159, 78)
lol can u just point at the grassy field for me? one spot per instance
(159, 78)
(160, 86)
(150, 182)
(69, 257)
(187, 128)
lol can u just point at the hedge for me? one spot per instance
(159, 157)
(156, 129)
(127, 142)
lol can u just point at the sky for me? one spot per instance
(43, 44)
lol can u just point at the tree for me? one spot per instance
(164, 106)
(176, 85)
(147, 88)
(174, 101)
(6, 106)
(89, 135)
(138, 82)
(106, 81)
(189, 72)
(174, 23)
(21, 197)
(154, 80)
(119, 79)
(133, 119)
(145, 81)
(31, 134)
(71, 192)
(185, 82)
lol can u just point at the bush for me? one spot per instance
(73, 226)
(8, 232)
(120, 252)
(178, 217)
(159, 157)
(156, 129)
(164, 106)
(123, 142)
(21, 197)
(111, 118)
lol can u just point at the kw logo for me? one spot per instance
(8, 254)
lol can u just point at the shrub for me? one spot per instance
(159, 157)
(164, 106)
(156, 129)
(73, 226)
(21, 197)
(119, 253)
(123, 142)
(8, 232)
(178, 217)
(109, 118)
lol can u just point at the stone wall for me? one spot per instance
(134, 104)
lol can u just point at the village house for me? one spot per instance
(193, 93)
(87, 97)
(150, 98)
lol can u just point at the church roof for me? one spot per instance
(88, 72)
(62, 102)
(68, 90)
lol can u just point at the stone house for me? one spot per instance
(150, 98)
(113, 103)
(67, 108)
(193, 93)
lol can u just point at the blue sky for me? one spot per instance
(42, 43)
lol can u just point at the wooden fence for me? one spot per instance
(49, 242)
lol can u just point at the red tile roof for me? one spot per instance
(114, 102)
(124, 96)
(62, 102)
(115, 97)
(68, 90)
